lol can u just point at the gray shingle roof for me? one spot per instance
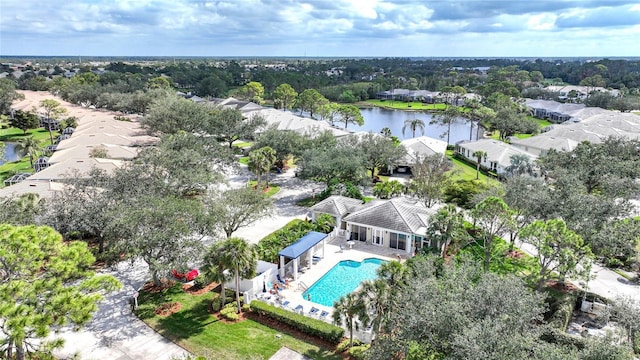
(337, 205)
(399, 214)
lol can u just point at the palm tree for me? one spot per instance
(261, 161)
(393, 273)
(378, 299)
(29, 146)
(446, 117)
(413, 124)
(386, 132)
(324, 223)
(520, 165)
(243, 260)
(216, 268)
(348, 308)
(479, 154)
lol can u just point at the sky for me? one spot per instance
(317, 28)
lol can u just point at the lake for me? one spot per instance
(375, 119)
(10, 152)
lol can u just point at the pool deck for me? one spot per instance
(333, 255)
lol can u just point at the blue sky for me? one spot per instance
(378, 28)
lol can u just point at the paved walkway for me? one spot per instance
(292, 190)
(115, 333)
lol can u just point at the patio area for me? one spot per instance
(336, 250)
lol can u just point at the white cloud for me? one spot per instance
(227, 27)
(542, 22)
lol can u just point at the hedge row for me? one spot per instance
(302, 323)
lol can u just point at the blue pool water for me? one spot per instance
(341, 280)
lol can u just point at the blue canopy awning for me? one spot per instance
(303, 244)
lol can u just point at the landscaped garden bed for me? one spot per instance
(198, 329)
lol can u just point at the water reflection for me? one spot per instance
(375, 119)
(10, 152)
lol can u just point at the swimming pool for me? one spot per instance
(341, 280)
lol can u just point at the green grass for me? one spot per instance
(465, 171)
(401, 105)
(541, 124)
(525, 266)
(242, 144)
(273, 189)
(22, 165)
(203, 334)
(244, 160)
(14, 134)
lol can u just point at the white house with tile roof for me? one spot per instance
(399, 223)
(421, 147)
(498, 157)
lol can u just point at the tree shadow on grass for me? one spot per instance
(187, 322)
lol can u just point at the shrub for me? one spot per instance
(271, 244)
(216, 304)
(302, 323)
(359, 352)
(246, 307)
(344, 345)
(560, 310)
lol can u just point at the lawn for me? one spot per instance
(201, 333)
(14, 134)
(244, 160)
(401, 105)
(541, 125)
(524, 266)
(273, 189)
(242, 144)
(23, 165)
(465, 171)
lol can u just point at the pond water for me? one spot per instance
(10, 152)
(375, 119)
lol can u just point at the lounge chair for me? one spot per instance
(323, 315)
(314, 311)
(285, 304)
(282, 282)
(299, 309)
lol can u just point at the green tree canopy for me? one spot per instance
(261, 161)
(431, 175)
(558, 249)
(284, 96)
(380, 152)
(236, 208)
(44, 284)
(311, 101)
(25, 120)
(350, 114)
(8, 94)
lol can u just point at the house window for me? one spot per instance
(358, 233)
(398, 241)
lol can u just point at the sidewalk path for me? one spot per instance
(604, 282)
(292, 190)
(115, 333)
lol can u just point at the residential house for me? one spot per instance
(420, 147)
(338, 207)
(498, 154)
(399, 223)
